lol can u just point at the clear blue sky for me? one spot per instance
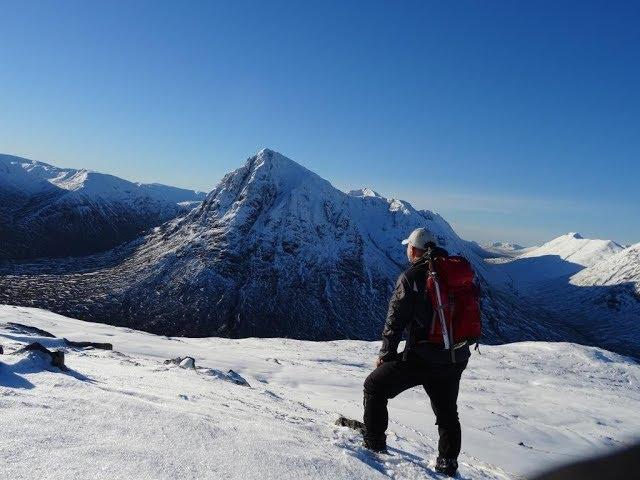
(516, 121)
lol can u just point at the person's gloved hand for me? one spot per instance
(387, 357)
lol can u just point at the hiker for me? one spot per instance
(422, 362)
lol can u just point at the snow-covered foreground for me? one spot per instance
(127, 414)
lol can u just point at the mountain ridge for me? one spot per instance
(275, 250)
(47, 211)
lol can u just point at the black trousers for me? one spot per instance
(441, 382)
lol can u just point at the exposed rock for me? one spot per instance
(57, 357)
(184, 362)
(34, 331)
(236, 378)
(188, 362)
(28, 330)
(101, 346)
(350, 423)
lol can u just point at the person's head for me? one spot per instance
(418, 243)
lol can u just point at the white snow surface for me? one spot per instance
(561, 257)
(590, 286)
(623, 267)
(47, 211)
(576, 249)
(125, 414)
(14, 178)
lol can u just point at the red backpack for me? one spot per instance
(456, 302)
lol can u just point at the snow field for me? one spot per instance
(127, 414)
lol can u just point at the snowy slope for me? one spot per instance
(126, 414)
(623, 267)
(274, 250)
(589, 286)
(602, 301)
(16, 179)
(51, 211)
(576, 249)
(558, 258)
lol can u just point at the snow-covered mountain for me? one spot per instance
(603, 301)
(505, 249)
(507, 246)
(46, 211)
(558, 258)
(274, 250)
(591, 286)
(574, 248)
(622, 267)
(126, 413)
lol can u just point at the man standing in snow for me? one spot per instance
(421, 363)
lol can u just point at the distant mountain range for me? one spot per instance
(275, 250)
(46, 211)
(562, 256)
(592, 286)
(504, 249)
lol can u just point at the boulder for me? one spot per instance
(57, 357)
(188, 362)
(184, 362)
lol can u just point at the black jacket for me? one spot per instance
(410, 309)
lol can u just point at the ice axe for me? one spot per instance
(439, 306)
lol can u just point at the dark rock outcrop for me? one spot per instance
(100, 346)
(28, 330)
(57, 357)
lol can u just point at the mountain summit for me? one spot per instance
(574, 249)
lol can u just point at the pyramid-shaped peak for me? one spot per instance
(267, 156)
(271, 159)
(270, 165)
(266, 152)
(267, 170)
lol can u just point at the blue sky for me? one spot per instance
(516, 121)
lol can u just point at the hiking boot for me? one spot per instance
(378, 446)
(447, 466)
